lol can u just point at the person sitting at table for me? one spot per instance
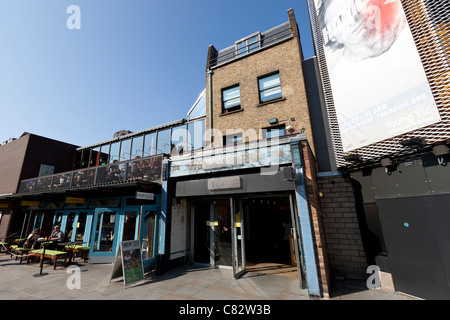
(31, 240)
(56, 236)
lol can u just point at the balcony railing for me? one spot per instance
(142, 169)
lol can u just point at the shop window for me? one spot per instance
(196, 135)
(125, 150)
(114, 152)
(137, 147)
(148, 234)
(150, 145)
(231, 99)
(104, 155)
(178, 144)
(94, 157)
(85, 155)
(269, 87)
(81, 226)
(129, 227)
(163, 144)
(69, 226)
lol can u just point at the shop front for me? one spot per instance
(241, 211)
(99, 214)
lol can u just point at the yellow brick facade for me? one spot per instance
(286, 58)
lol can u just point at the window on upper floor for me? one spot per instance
(269, 87)
(248, 44)
(232, 139)
(231, 99)
(275, 131)
(46, 170)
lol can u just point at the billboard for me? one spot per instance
(377, 79)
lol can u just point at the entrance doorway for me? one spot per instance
(213, 233)
(254, 234)
(268, 236)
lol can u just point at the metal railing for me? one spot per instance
(144, 169)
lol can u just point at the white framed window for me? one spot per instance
(269, 87)
(248, 44)
(231, 99)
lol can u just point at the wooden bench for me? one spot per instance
(84, 250)
(19, 252)
(50, 254)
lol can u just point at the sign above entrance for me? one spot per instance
(30, 203)
(221, 160)
(225, 183)
(75, 200)
(145, 196)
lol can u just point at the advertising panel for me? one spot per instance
(377, 79)
(128, 263)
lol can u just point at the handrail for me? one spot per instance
(144, 169)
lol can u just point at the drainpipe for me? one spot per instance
(210, 73)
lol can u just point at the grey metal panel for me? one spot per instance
(366, 186)
(438, 175)
(416, 234)
(251, 183)
(408, 180)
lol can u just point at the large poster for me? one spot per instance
(377, 79)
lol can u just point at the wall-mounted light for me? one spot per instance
(412, 143)
(387, 164)
(352, 158)
(289, 128)
(440, 151)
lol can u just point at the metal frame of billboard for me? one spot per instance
(428, 20)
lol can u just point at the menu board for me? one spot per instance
(128, 263)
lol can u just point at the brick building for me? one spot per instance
(254, 185)
(263, 86)
(28, 156)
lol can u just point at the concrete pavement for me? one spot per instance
(19, 281)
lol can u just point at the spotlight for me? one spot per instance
(440, 151)
(412, 143)
(387, 164)
(352, 158)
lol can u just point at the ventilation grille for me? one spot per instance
(429, 21)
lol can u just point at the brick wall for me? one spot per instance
(284, 57)
(346, 254)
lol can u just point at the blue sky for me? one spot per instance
(134, 64)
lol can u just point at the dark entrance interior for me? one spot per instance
(267, 232)
(267, 235)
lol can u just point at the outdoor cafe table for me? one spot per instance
(62, 247)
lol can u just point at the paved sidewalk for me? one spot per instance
(23, 282)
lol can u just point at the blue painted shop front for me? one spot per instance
(102, 223)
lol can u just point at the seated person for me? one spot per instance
(31, 240)
(56, 236)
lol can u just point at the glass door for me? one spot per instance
(130, 225)
(103, 237)
(238, 239)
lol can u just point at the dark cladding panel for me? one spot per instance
(249, 183)
(416, 235)
(408, 180)
(438, 175)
